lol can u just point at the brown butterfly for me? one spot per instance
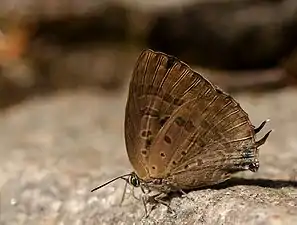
(181, 131)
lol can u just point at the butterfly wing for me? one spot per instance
(158, 86)
(210, 136)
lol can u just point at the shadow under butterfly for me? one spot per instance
(181, 131)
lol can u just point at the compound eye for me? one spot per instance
(134, 181)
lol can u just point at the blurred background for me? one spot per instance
(51, 45)
(65, 66)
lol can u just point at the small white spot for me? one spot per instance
(13, 201)
(92, 200)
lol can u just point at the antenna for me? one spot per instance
(114, 179)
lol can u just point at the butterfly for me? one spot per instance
(181, 131)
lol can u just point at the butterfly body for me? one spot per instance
(181, 131)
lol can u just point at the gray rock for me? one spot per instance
(55, 149)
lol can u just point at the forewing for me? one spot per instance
(159, 85)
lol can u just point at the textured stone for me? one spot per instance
(55, 149)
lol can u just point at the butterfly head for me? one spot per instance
(133, 179)
(130, 178)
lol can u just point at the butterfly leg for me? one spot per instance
(159, 198)
(155, 200)
(143, 190)
(133, 194)
(124, 193)
(144, 201)
(185, 195)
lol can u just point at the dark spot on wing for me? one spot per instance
(170, 62)
(189, 126)
(163, 120)
(146, 133)
(180, 121)
(143, 152)
(148, 111)
(167, 98)
(219, 91)
(178, 101)
(167, 139)
(148, 142)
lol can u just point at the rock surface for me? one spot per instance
(55, 149)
